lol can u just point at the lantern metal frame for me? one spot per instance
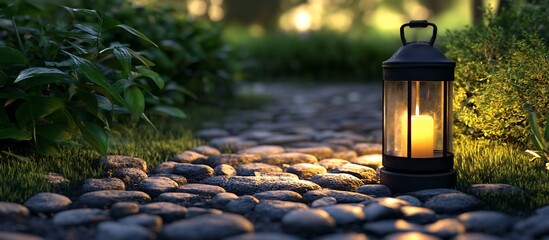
(418, 62)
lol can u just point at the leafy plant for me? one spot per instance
(501, 74)
(540, 140)
(59, 78)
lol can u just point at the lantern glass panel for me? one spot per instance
(426, 118)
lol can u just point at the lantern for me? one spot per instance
(417, 116)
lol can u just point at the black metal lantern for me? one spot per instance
(417, 116)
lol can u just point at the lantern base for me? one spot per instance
(406, 182)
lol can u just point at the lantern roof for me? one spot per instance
(418, 60)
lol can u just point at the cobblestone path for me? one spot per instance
(303, 167)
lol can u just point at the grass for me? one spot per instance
(483, 161)
(22, 178)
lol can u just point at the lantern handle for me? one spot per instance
(418, 24)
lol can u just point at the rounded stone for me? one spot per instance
(224, 170)
(276, 209)
(337, 181)
(220, 200)
(18, 236)
(200, 227)
(424, 195)
(168, 211)
(264, 236)
(242, 205)
(289, 158)
(157, 185)
(220, 181)
(197, 211)
(121, 231)
(320, 152)
(151, 222)
(284, 139)
(193, 172)
(410, 200)
(323, 202)
(211, 133)
(93, 184)
(13, 211)
(188, 157)
(206, 150)
(112, 162)
(185, 199)
(249, 185)
(366, 174)
(418, 215)
(372, 160)
(344, 236)
(203, 190)
(332, 163)
(165, 167)
(180, 180)
(310, 221)
(410, 235)
(367, 148)
(306, 170)
(232, 144)
(543, 210)
(340, 196)
(381, 210)
(47, 202)
(80, 216)
(384, 227)
(108, 197)
(476, 236)
(346, 155)
(375, 190)
(283, 195)
(535, 226)
(486, 221)
(345, 214)
(123, 209)
(250, 169)
(130, 176)
(445, 228)
(451, 203)
(234, 160)
(263, 150)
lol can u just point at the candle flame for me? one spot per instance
(417, 109)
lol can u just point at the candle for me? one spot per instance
(423, 132)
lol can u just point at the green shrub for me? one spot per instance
(60, 78)
(191, 55)
(502, 73)
(322, 54)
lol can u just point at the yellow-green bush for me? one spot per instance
(502, 73)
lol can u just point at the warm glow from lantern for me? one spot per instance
(197, 7)
(423, 134)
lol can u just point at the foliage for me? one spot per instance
(191, 55)
(323, 54)
(540, 140)
(502, 73)
(60, 78)
(485, 161)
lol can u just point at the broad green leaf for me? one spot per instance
(104, 103)
(142, 59)
(54, 132)
(536, 133)
(14, 133)
(95, 136)
(13, 93)
(31, 77)
(37, 107)
(135, 101)
(83, 12)
(47, 147)
(125, 58)
(109, 22)
(11, 56)
(148, 121)
(170, 111)
(146, 72)
(136, 33)
(94, 74)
